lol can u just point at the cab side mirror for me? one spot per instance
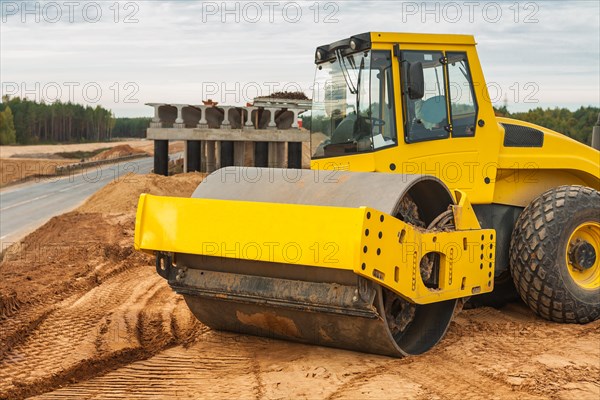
(415, 83)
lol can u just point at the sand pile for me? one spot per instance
(117, 152)
(123, 195)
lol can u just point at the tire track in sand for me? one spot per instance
(116, 317)
(201, 371)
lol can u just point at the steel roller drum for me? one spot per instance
(322, 306)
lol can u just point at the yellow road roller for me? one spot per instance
(418, 198)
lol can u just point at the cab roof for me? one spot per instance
(424, 38)
(365, 40)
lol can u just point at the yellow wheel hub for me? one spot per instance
(583, 255)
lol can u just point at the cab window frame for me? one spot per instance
(472, 89)
(406, 123)
(389, 96)
(449, 128)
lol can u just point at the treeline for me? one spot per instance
(57, 122)
(8, 133)
(131, 127)
(575, 124)
(23, 121)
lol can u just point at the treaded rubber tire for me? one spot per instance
(537, 254)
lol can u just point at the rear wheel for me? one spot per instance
(555, 254)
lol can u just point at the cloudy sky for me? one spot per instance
(122, 54)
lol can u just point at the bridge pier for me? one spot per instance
(161, 157)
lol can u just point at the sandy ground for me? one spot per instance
(22, 151)
(16, 167)
(10, 151)
(82, 315)
(13, 170)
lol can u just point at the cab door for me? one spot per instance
(448, 131)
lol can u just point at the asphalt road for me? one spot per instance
(25, 207)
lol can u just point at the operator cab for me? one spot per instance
(353, 107)
(353, 97)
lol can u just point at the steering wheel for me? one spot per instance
(361, 129)
(376, 121)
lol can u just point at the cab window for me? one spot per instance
(353, 107)
(463, 108)
(381, 100)
(426, 118)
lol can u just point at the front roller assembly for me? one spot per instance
(367, 262)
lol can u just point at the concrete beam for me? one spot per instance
(235, 135)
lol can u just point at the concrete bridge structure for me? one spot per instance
(266, 134)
